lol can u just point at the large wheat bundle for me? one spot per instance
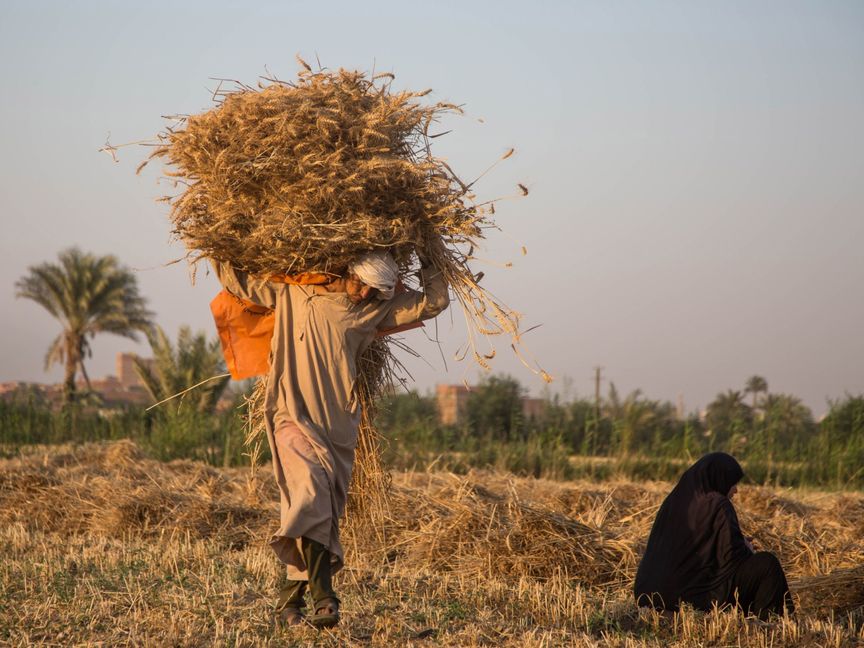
(450, 523)
(303, 176)
(306, 176)
(839, 592)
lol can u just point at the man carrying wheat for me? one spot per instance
(312, 410)
(306, 177)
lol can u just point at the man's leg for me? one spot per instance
(292, 595)
(290, 605)
(325, 602)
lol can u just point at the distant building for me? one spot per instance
(114, 393)
(124, 389)
(20, 390)
(7, 388)
(533, 407)
(29, 392)
(452, 404)
(126, 373)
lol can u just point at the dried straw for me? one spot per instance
(839, 592)
(105, 546)
(477, 526)
(449, 523)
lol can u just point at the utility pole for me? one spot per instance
(597, 378)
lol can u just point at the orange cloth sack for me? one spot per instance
(246, 329)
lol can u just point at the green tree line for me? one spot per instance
(774, 434)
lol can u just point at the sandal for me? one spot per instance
(290, 615)
(290, 605)
(326, 613)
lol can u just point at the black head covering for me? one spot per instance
(717, 472)
(695, 544)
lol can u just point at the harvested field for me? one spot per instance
(103, 546)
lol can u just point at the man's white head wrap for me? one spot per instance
(379, 270)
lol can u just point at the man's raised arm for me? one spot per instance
(415, 306)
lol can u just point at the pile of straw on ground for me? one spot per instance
(443, 522)
(479, 525)
(839, 592)
(114, 491)
(105, 546)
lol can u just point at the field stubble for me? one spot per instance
(103, 546)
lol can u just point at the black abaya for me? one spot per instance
(696, 547)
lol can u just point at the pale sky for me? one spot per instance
(696, 171)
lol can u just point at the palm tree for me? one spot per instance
(788, 424)
(727, 417)
(88, 294)
(788, 420)
(175, 369)
(756, 385)
(631, 417)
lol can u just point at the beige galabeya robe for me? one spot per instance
(311, 405)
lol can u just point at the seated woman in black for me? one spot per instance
(697, 554)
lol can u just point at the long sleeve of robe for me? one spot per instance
(311, 408)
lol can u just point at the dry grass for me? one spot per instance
(302, 176)
(105, 547)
